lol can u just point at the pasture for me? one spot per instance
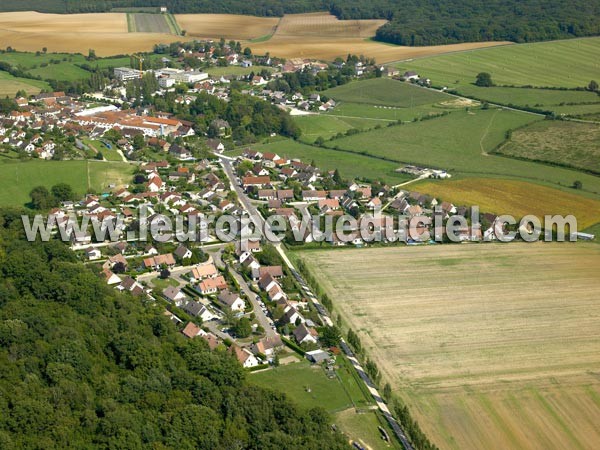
(517, 198)
(9, 85)
(350, 165)
(21, 177)
(461, 143)
(384, 91)
(567, 143)
(492, 346)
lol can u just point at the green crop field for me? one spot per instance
(569, 63)
(566, 143)
(384, 91)
(148, 23)
(327, 126)
(9, 85)
(393, 113)
(460, 143)
(21, 177)
(350, 165)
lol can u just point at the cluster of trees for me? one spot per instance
(412, 22)
(43, 199)
(86, 366)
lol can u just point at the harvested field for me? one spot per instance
(324, 24)
(106, 33)
(492, 346)
(517, 198)
(567, 143)
(228, 26)
(9, 85)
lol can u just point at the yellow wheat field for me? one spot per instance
(492, 346)
(228, 26)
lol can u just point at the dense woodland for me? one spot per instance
(82, 366)
(412, 22)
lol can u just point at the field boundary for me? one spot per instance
(173, 25)
(131, 28)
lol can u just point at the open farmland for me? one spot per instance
(327, 126)
(384, 91)
(106, 33)
(517, 198)
(228, 26)
(22, 177)
(323, 36)
(9, 85)
(492, 346)
(148, 23)
(541, 64)
(567, 143)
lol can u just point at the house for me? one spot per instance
(291, 315)
(313, 196)
(215, 145)
(92, 253)
(268, 345)
(110, 277)
(266, 282)
(212, 285)
(113, 260)
(130, 285)
(174, 295)
(156, 262)
(231, 300)
(303, 334)
(192, 330)
(244, 356)
(182, 252)
(197, 309)
(203, 271)
(259, 181)
(274, 271)
(410, 75)
(317, 356)
(275, 293)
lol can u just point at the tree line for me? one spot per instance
(85, 366)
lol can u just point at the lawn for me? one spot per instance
(567, 63)
(110, 154)
(9, 85)
(517, 198)
(235, 70)
(384, 91)
(21, 177)
(309, 386)
(350, 165)
(491, 346)
(460, 143)
(566, 143)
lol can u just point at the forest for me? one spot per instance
(412, 22)
(83, 366)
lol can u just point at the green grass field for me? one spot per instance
(21, 177)
(148, 23)
(110, 154)
(9, 85)
(350, 165)
(460, 143)
(363, 428)
(327, 126)
(384, 91)
(568, 63)
(390, 113)
(567, 143)
(297, 379)
(235, 70)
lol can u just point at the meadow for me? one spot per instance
(567, 143)
(327, 126)
(9, 85)
(517, 198)
(503, 352)
(21, 177)
(460, 143)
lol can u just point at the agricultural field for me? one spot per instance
(236, 70)
(350, 165)
(151, 23)
(228, 26)
(327, 126)
(9, 85)
(517, 198)
(460, 143)
(530, 65)
(106, 33)
(362, 427)
(21, 177)
(384, 91)
(567, 143)
(323, 36)
(505, 355)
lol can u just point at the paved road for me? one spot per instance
(258, 220)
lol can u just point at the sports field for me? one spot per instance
(492, 346)
(517, 198)
(21, 177)
(568, 143)
(9, 85)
